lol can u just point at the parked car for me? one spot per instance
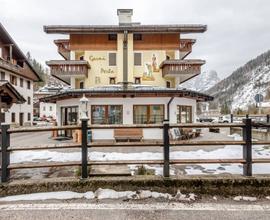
(206, 119)
(224, 119)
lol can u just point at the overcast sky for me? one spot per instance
(238, 30)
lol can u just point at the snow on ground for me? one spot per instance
(99, 194)
(228, 152)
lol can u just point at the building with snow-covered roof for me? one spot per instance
(129, 72)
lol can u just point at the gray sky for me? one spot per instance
(238, 30)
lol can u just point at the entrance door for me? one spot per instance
(21, 119)
(69, 116)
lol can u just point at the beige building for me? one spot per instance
(129, 72)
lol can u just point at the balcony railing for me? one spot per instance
(181, 67)
(11, 67)
(66, 68)
(63, 48)
(185, 47)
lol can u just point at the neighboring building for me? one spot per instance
(46, 109)
(129, 72)
(15, 68)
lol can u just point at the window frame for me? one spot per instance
(139, 37)
(3, 74)
(13, 117)
(135, 78)
(28, 100)
(106, 113)
(21, 82)
(138, 52)
(28, 84)
(112, 52)
(178, 114)
(148, 112)
(112, 78)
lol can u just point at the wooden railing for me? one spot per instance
(11, 67)
(68, 67)
(176, 67)
(165, 143)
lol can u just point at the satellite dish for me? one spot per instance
(258, 98)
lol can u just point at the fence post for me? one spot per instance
(268, 121)
(231, 118)
(5, 155)
(247, 147)
(84, 149)
(166, 148)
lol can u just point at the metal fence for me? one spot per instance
(165, 143)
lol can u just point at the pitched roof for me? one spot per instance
(7, 39)
(5, 86)
(88, 29)
(133, 91)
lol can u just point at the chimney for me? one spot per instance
(125, 16)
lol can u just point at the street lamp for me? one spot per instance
(83, 107)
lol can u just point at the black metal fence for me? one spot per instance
(166, 143)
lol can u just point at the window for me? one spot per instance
(112, 37)
(3, 75)
(137, 59)
(107, 114)
(1, 53)
(168, 84)
(81, 85)
(168, 57)
(184, 114)
(112, 80)
(13, 117)
(44, 108)
(28, 84)
(112, 59)
(137, 80)
(3, 118)
(148, 114)
(29, 116)
(137, 37)
(81, 58)
(50, 108)
(21, 82)
(13, 80)
(28, 100)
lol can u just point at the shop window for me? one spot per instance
(148, 114)
(184, 114)
(107, 114)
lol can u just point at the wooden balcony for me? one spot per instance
(184, 69)
(185, 47)
(11, 67)
(63, 48)
(64, 69)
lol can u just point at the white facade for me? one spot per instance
(47, 110)
(25, 109)
(128, 103)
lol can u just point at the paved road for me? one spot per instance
(125, 211)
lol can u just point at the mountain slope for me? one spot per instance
(202, 82)
(239, 89)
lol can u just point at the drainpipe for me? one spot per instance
(125, 60)
(168, 108)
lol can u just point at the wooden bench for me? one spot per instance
(128, 134)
